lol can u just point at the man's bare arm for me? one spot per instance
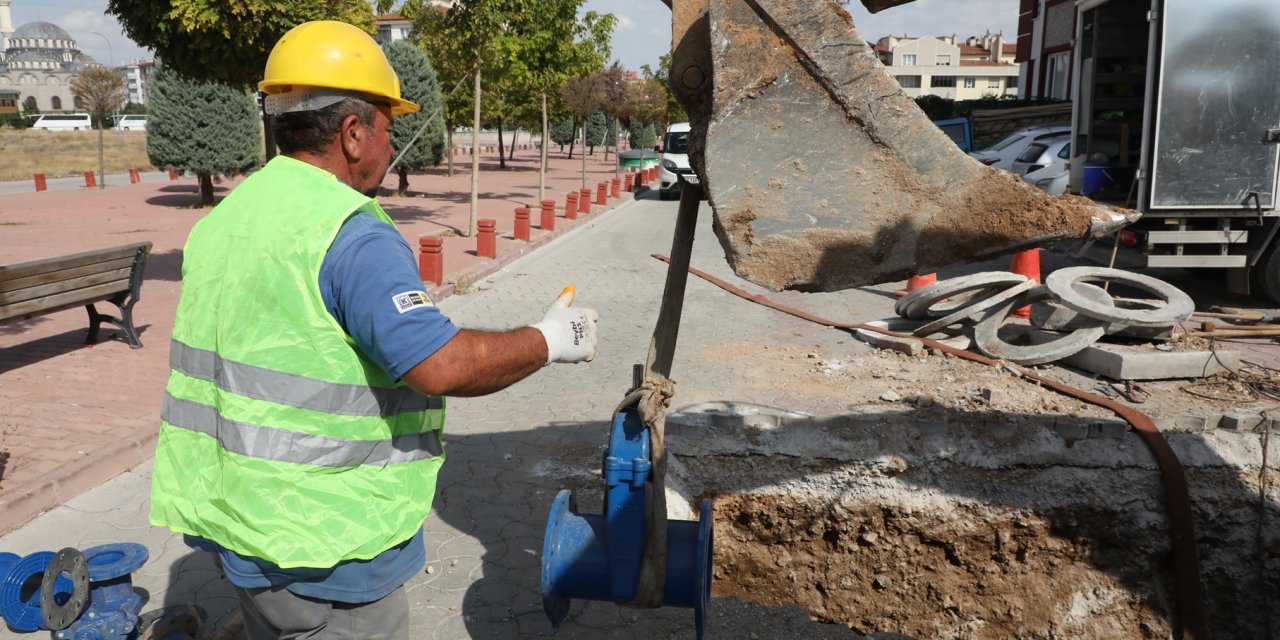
(475, 363)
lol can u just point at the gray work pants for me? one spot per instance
(279, 614)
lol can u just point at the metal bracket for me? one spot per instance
(1272, 136)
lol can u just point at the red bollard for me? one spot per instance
(549, 209)
(173, 175)
(615, 188)
(548, 222)
(522, 223)
(134, 178)
(486, 242)
(41, 183)
(626, 181)
(602, 191)
(571, 206)
(584, 201)
(431, 259)
(89, 180)
(640, 177)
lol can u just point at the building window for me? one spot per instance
(942, 82)
(909, 82)
(943, 60)
(1055, 83)
(970, 83)
(908, 59)
(993, 83)
(57, 103)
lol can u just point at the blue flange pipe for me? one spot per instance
(20, 590)
(113, 604)
(598, 557)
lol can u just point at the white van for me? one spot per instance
(674, 169)
(63, 122)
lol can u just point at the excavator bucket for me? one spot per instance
(822, 173)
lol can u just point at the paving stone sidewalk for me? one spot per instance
(73, 416)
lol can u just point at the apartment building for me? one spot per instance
(978, 67)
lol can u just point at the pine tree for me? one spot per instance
(597, 125)
(417, 84)
(562, 131)
(642, 135)
(205, 128)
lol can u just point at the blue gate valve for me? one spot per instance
(112, 609)
(598, 557)
(113, 604)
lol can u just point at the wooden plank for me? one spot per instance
(119, 277)
(65, 274)
(25, 269)
(1235, 236)
(62, 300)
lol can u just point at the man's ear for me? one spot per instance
(351, 136)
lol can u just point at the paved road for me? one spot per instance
(510, 453)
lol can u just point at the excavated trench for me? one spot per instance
(939, 523)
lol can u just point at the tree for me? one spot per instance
(673, 111)
(583, 96)
(642, 135)
(596, 128)
(99, 91)
(226, 41)
(207, 128)
(562, 132)
(417, 84)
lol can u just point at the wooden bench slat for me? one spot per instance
(62, 300)
(65, 274)
(25, 269)
(119, 277)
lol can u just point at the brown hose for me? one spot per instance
(1186, 559)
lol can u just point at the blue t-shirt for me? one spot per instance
(364, 280)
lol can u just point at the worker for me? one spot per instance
(301, 431)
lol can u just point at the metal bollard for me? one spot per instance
(431, 259)
(522, 223)
(598, 557)
(615, 188)
(548, 221)
(41, 183)
(584, 200)
(89, 180)
(486, 242)
(602, 190)
(571, 206)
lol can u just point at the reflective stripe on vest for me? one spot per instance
(295, 390)
(282, 445)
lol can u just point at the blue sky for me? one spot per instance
(643, 32)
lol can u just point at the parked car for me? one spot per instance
(960, 130)
(1044, 153)
(1051, 179)
(1002, 154)
(673, 167)
(131, 123)
(63, 122)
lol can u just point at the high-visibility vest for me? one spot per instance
(279, 439)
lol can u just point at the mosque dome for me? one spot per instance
(44, 30)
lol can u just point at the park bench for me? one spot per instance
(114, 275)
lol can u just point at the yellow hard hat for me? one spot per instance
(330, 59)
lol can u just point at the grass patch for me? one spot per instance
(69, 153)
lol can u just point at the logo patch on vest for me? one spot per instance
(411, 300)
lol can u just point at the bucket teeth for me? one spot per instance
(824, 175)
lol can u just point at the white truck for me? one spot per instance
(1177, 114)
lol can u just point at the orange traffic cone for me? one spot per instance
(1026, 263)
(915, 282)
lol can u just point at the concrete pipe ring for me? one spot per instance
(986, 335)
(928, 302)
(1178, 306)
(974, 309)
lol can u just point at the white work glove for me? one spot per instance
(570, 333)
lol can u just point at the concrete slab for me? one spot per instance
(1124, 362)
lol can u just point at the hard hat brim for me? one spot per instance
(403, 107)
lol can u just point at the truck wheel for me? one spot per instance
(1266, 275)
